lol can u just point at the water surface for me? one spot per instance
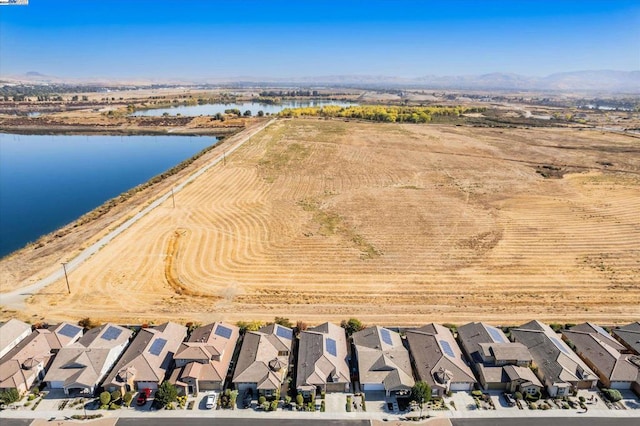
(254, 107)
(48, 181)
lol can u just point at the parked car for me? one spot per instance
(211, 401)
(143, 396)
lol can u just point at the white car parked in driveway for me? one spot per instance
(211, 401)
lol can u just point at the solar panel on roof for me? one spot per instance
(69, 330)
(446, 348)
(157, 346)
(559, 345)
(285, 333)
(601, 330)
(386, 336)
(331, 346)
(112, 333)
(495, 335)
(223, 331)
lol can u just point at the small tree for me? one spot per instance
(10, 396)
(116, 395)
(261, 400)
(127, 398)
(352, 325)
(261, 113)
(166, 394)
(299, 400)
(274, 405)
(421, 393)
(283, 322)
(105, 398)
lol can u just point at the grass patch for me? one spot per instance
(332, 223)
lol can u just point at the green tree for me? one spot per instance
(261, 113)
(352, 325)
(116, 395)
(421, 393)
(166, 394)
(127, 398)
(283, 322)
(299, 400)
(105, 398)
(247, 113)
(10, 396)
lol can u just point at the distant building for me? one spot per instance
(559, 368)
(383, 362)
(29, 360)
(147, 359)
(264, 360)
(80, 367)
(438, 360)
(499, 363)
(202, 362)
(11, 333)
(323, 360)
(604, 355)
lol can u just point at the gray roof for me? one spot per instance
(514, 372)
(10, 331)
(145, 358)
(211, 346)
(83, 363)
(437, 356)
(381, 362)
(630, 335)
(319, 364)
(16, 367)
(473, 334)
(603, 354)
(259, 361)
(557, 362)
(506, 351)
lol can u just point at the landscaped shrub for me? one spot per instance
(127, 398)
(274, 406)
(582, 399)
(517, 395)
(322, 406)
(116, 395)
(477, 393)
(10, 396)
(299, 400)
(348, 403)
(105, 398)
(262, 400)
(613, 395)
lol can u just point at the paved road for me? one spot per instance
(547, 421)
(15, 422)
(239, 422)
(15, 299)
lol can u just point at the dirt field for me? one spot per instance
(393, 224)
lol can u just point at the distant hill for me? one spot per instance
(584, 81)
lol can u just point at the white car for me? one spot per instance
(211, 401)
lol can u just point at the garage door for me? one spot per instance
(460, 386)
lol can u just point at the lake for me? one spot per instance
(254, 107)
(49, 181)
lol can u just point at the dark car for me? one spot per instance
(143, 396)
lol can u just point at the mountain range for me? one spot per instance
(591, 81)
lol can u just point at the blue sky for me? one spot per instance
(273, 38)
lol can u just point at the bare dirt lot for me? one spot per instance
(395, 224)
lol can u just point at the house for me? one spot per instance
(80, 367)
(323, 360)
(438, 360)
(491, 352)
(202, 362)
(11, 333)
(147, 359)
(604, 355)
(629, 336)
(264, 360)
(28, 361)
(558, 367)
(383, 362)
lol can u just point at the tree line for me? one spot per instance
(389, 114)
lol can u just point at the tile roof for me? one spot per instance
(316, 365)
(381, 362)
(435, 362)
(139, 360)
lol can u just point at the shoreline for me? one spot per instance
(15, 298)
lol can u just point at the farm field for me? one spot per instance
(394, 224)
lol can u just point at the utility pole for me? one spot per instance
(224, 157)
(173, 198)
(66, 278)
